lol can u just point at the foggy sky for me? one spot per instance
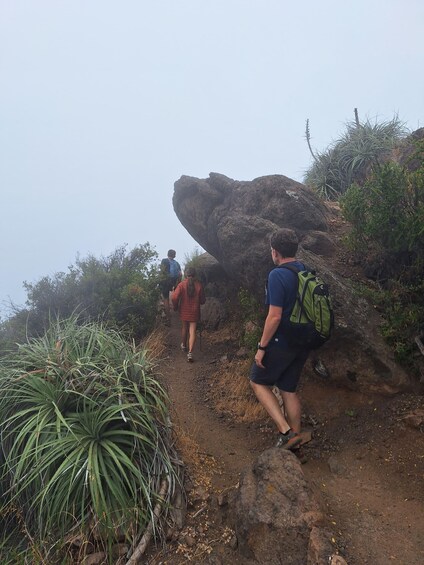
(105, 104)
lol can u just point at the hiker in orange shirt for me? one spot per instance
(187, 298)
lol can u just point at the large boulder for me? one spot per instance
(232, 221)
(275, 515)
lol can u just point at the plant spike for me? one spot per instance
(308, 140)
(355, 111)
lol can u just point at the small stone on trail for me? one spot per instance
(415, 419)
(233, 543)
(242, 352)
(189, 541)
(337, 560)
(170, 534)
(199, 494)
(335, 466)
(306, 436)
(320, 369)
(222, 499)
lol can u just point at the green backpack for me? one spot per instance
(312, 317)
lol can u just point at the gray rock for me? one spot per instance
(178, 509)
(213, 313)
(189, 540)
(232, 220)
(415, 419)
(320, 548)
(335, 466)
(222, 499)
(274, 510)
(337, 560)
(319, 243)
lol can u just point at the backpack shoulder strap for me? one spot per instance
(291, 268)
(296, 272)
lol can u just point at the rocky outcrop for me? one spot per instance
(232, 221)
(404, 153)
(213, 313)
(276, 518)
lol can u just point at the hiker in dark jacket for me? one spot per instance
(187, 299)
(171, 276)
(276, 362)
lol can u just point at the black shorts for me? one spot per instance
(167, 285)
(282, 368)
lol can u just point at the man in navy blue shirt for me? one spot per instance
(276, 362)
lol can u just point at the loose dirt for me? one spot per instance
(365, 461)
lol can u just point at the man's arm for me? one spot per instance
(270, 327)
(175, 297)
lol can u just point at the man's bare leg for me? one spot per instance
(269, 401)
(166, 307)
(292, 409)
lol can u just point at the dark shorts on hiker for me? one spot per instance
(167, 285)
(282, 368)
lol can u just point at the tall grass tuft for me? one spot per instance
(84, 435)
(193, 259)
(350, 157)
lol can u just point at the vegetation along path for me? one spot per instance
(365, 461)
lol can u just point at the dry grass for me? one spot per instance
(228, 333)
(155, 344)
(232, 393)
(200, 466)
(187, 447)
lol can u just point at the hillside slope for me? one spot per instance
(365, 461)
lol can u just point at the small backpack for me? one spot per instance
(312, 318)
(170, 267)
(174, 268)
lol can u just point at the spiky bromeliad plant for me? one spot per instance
(348, 159)
(84, 434)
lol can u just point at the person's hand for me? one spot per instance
(259, 358)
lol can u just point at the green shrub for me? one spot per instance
(387, 213)
(121, 289)
(84, 436)
(402, 307)
(387, 217)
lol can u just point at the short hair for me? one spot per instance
(285, 242)
(171, 253)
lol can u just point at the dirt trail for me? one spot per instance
(231, 445)
(364, 463)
